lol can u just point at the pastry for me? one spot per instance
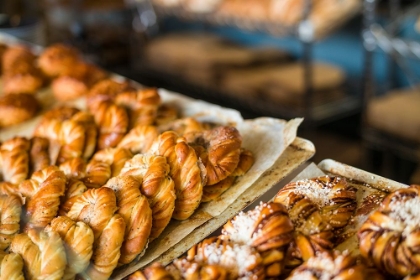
(78, 243)
(185, 169)
(14, 160)
(11, 209)
(106, 90)
(97, 174)
(139, 139)
(58, 60)
(17, 108)
(114, 157)
(38, 154)
(156, 184)
(11, 267)
(135, 210)
(182, 126)
(166, 113)
(74, 189)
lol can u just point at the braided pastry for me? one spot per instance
(153, 272)
(74, 189)
(182, 126)
(10, 209)
(91, 132)
(332, 266)
(58, 60)
(11, 267)
(212, 192)
(388, 238)
(97, 174)
(219, 149)
(78, 243)
(139, 139)
(166, 113)
(316, 206)
(114, 157)
(157, 186)
(42, 252)
(266, 228)
(105, 90)
(42, 192)
(239, 261)
(185, 169)
(97, 207)
(135, 210)
(142, 105)
(38, 155)
(17, 108)
(14, 160)
(199, 270)
(9, 189)
(74, 168)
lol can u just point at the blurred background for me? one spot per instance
(350, 67)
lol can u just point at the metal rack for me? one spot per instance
(304, 32)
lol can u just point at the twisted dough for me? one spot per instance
(11, 267)
(185, 169)
(389, 238)
(182, 126)
(14, 160)
(78, 243)
(10, 209)
(153, 272)
(166, 113)
(17, 108)
(74, 189)
(38, 155)
(42, 252)
(97, 174)
(135, 210)
(240, 261)
(74, 168)
(106, 90)
(219, 149)
(268, 229)
(114, 157)
(139, 139)
(42, 192)
(157, 186)
(97, 207)
(332, 266)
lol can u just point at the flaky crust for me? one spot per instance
(91, 132)
(42, 252)
(11, 210)
(105, 90)
(14, 160)
(157, 186)
(74, 168)
(114, 157)
(78, 243)
(267, 228)
(74, 189)
(155, 271)
(222, 149)
(390, 235)
(42, 192)
(139, 139)
(166, 113)
(97, 173)
(17, 108)
(136, 212)
(38, 155)
(185, 171)
(11, 267)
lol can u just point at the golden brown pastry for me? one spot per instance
(267, 228)
(238, 260)
(153, 272)
(97, 174)
(114, 157)
(58, 60)
(106, 90)
(332, 266)
(11, 210)
(60, 113)
(74, 168)
(139, 139)
(9, 189)
(42, 252)
(14, 160)
(389, 237)
(316, 206)
(91, 132)
(157, 186)
(38, 155)
(199, 270)
(135, 210)
(182, 126)
(17, 108)
(42, 192)
(97, 208)
(78, 243)
(142, 105)
(219, 149)
(185, 169)
(11, 267)
(166, 113)
(74, 189)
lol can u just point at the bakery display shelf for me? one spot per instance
(305, 30)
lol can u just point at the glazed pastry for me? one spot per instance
(114, 157)
(10, 209)
(78, 243)
(240, 261)
(316, 207)
(157, 186)
(185, 169)
(74, 168)
(74, 189)
(153, 272)
(58, 60)
(266, 228)
(91, 132)
(38, 155)
(14, 160)
(42, 192)
(141, 104)
(97, 208)
(11, 267)
(9, 189)
(97, 174)
(332, 266)
(212, 192)
(219, 149)
(135, 210)
(388, 238)
(106, 90)
(17, 108)
(139, 139)
(199, 270)
(42, 252)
